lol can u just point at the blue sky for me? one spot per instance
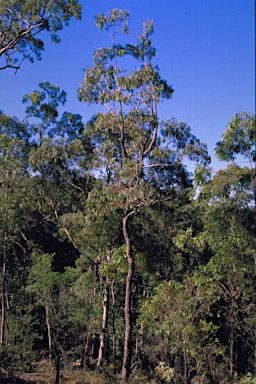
(205, 50)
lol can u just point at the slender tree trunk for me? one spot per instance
(3, 316)
(231, 342)
(254, 181)
(113, 327)
(57, 379)
(84, 354)
(127, 308)
(231, 352)
(48, 325)
(140, 348)
(185, 364)
(104, 322)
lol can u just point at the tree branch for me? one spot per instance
(69, 236)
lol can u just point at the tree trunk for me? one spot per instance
(48, 325)
(104, 322)
(113, 327)
(231, 352)
(57, 380)
(231, 342)
(127, 308)
(185, 363)
(84, 354)
(140, 359)
(3, 316)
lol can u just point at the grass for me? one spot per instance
(44, 373)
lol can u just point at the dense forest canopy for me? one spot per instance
(115, 259)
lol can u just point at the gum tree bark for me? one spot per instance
(104, 322)
(127, 309)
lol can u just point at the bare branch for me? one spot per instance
(158, 165)
(69, 236)
(72, 184)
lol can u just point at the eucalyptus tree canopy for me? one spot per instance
(239, 140)
(22, 20)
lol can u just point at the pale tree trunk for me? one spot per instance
(127, 308)
(113, 327)
(104, 322)
(48, 324)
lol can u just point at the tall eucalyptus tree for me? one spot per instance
(129, 140)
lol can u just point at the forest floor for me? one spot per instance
(45, 374)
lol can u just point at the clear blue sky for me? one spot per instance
(205, 50)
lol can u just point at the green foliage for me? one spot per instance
(17, 355)
(239, 138)
(110, 19)
(131, 150)
(228, 278)
(21, 22)
(41, 278)
(179, 136)
(67, 189)
(85, 289)
(202, 175)
(248, 379)
(166, 374)
(44, 104)
(125, 139)
(174, 320)
(233, 183)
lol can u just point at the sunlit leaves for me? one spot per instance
(176, 314)
(116, 17)
(42, 279)
(239, 138)
(233, 183)
(178, 136)
(21, 21)
(43, 104)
